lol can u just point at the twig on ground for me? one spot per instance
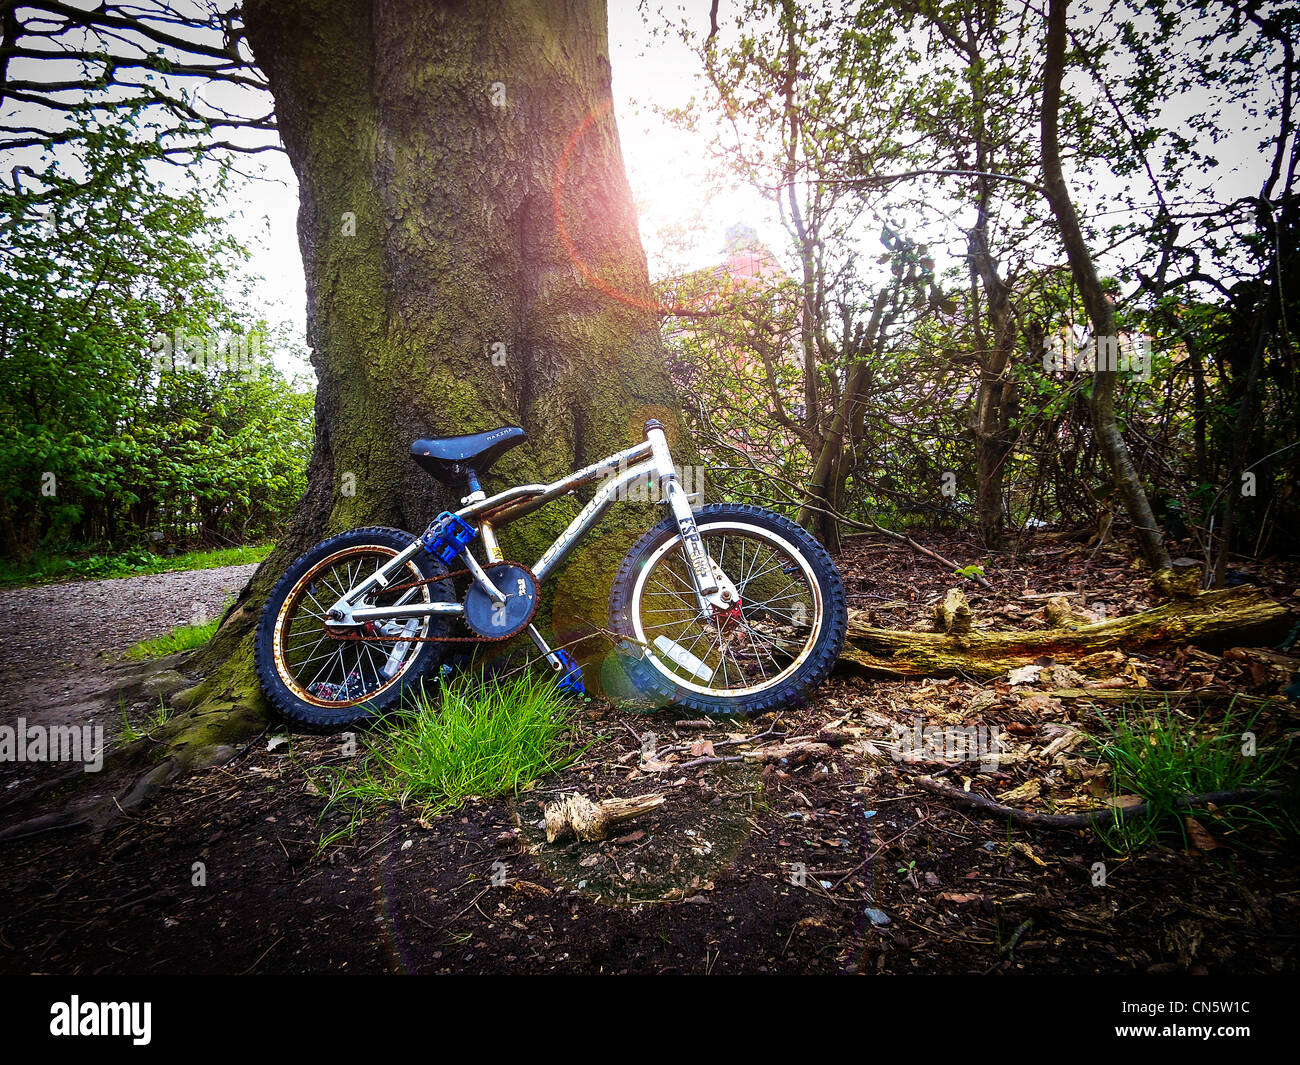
(1033, 819)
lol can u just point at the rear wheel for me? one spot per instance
(767, 651)
(325, 683)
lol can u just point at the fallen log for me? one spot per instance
(1218, 616)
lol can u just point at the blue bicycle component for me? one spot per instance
(447, 536)
(570, 680)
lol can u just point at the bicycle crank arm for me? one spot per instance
(484, 581)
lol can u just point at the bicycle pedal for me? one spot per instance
(570, 681)
(447, 536)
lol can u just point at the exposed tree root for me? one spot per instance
(220, 716)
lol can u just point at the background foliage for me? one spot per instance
(103, 443)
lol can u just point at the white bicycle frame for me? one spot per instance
(648, 459)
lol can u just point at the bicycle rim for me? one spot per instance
(780, 616)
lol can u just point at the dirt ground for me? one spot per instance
(58, 642)
(834, 863)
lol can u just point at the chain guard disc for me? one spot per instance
(519, 586)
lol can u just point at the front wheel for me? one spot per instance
(776, 643)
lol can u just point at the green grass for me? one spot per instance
(461, 739)
(1163, 756)
(181, 638)
(45, 569)
(153, 720)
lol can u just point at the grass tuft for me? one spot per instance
(463, 739)
(153, 720)
(1163, 756)
(181, 638)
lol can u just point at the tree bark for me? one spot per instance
(472, 260)
(1109, 438)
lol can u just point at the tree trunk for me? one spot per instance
(991, 421)
(472, 260)
(1246, 413)
(1109, 438)
(830, 471)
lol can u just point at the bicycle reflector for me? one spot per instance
(447, 536)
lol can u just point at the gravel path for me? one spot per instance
(58, 640)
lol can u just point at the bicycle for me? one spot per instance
(723, 609)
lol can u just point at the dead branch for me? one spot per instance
(1209, 617)
(576, 815)
(1102, 815)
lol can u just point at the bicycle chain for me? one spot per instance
(354, 637)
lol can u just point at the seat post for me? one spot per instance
(476, 493)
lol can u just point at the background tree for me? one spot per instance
(1100, 312)
(1217, 272)
(972, 73)
(102, 269)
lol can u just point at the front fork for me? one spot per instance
(713, 590)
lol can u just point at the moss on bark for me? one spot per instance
(1216, 617)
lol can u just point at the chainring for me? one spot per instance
(519, 586)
